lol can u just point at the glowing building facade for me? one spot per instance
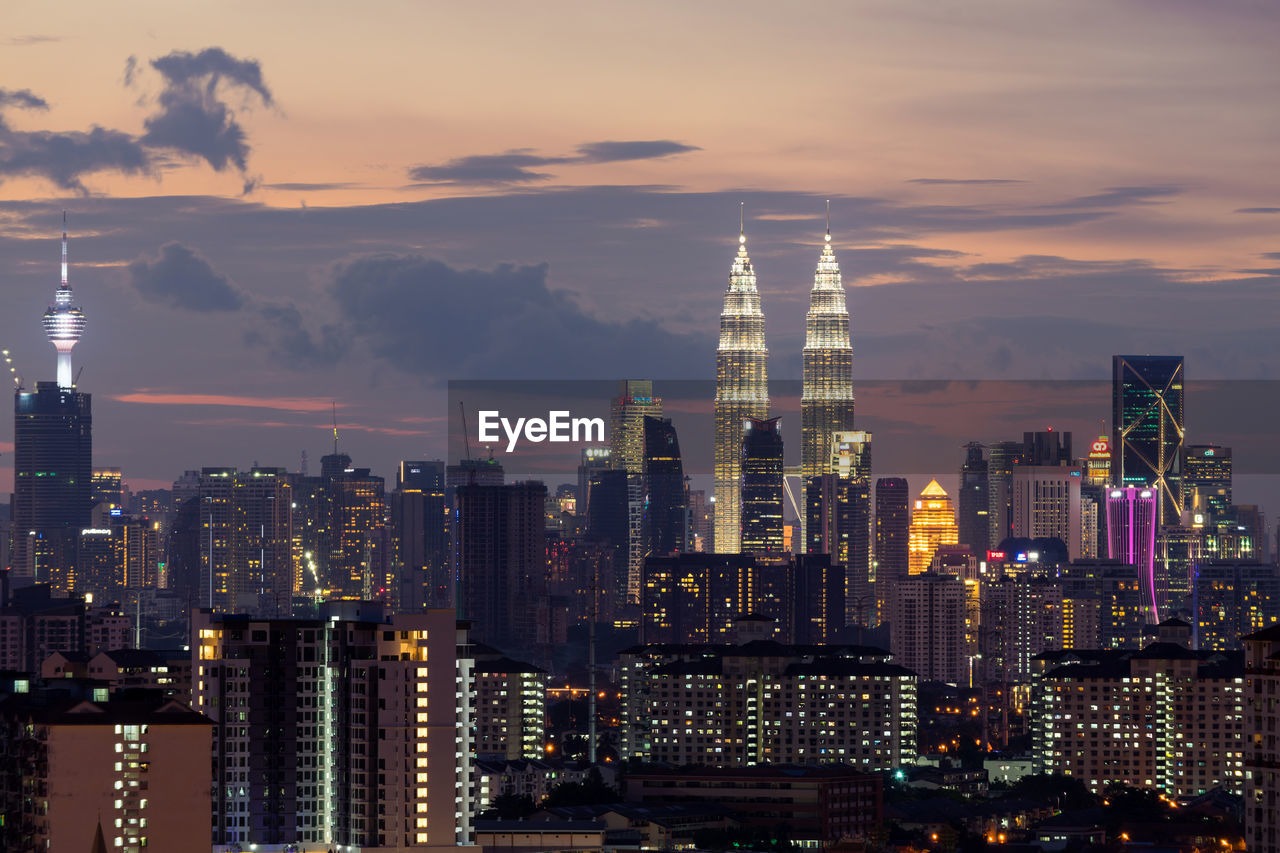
(933, 523)
(762, 487)
(742, 392)
(826, 399)
(1147, 418)
(1131, 538)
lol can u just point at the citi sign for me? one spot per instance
(559, 427)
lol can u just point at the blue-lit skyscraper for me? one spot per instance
(1147, 424)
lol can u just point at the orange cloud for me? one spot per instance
(283, 404)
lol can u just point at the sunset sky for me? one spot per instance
(278, 206)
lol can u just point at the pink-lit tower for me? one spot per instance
(64, 322)
(1131, 538)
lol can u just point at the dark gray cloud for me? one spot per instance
(1258, 210)
(1123, 197)
(962, 181)
(63, 157)
(612, 152)
(438, 322)
(192, 115)
(521, 165)
(180, 277)
(22, 99)
(23, 41)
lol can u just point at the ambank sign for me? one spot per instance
(559, 427)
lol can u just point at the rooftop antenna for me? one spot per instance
(335, 427)
(828, 220)
(742, 219)
(64, 248)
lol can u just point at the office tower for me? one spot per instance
(927, 631)
(357, 536)
(933, 523)
(501, 552)
(1206, 479)
(1046, 504)
(116, 560)
(1046, 447)
(893, 537)
(826, 398)
(974, 510)
(1232, 599)
(476, 472)
(419, 540)
(838, 511)
(245, 544)
(1261, 746)
(52, 471)
(701, 521)
(1147, 428)
(762, 496)
(696, 704)
(1002, 457)
(1178, 551)
(1097, 465)
(593, 459)
(510, 707)
(627, 411)
(1155, 733)
(667, 500)
(742, 392)
(127, 769)
(1131, 539)
(609, 524)
(350, 730)
(817, 609)
(108, 487)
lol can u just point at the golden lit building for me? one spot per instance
(933, 523)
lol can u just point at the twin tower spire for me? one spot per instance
(742, 377)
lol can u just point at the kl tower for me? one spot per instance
(64, 322)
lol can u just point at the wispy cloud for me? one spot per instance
(962, 181)
(522, 165)
(281, 404)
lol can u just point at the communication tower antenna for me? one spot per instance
(335, 427)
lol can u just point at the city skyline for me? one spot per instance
(959, 252)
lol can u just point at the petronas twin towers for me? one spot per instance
(742, 379)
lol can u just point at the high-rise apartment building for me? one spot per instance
(1262, 740)
(501, 553)
(933, 523)
(129, 769)
(358, 536)
(761, 504)
(927, 631)
(246, 540)
(350, 730)
(510, 708)
(1147, 428)
(826, 398)
(1232, 599)
(419, 546)
(753, 704)
(1165, 718)
(742, 392)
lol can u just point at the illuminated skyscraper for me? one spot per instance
(1001, 459)
(1207, 479)
(627, 411)
(838, 508)
(742, 392)
(933, 523)
(53, 453)
(1131, 539)
(826, 400)
(762, 487)
(1147, 424)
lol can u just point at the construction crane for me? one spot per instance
(13, 371)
